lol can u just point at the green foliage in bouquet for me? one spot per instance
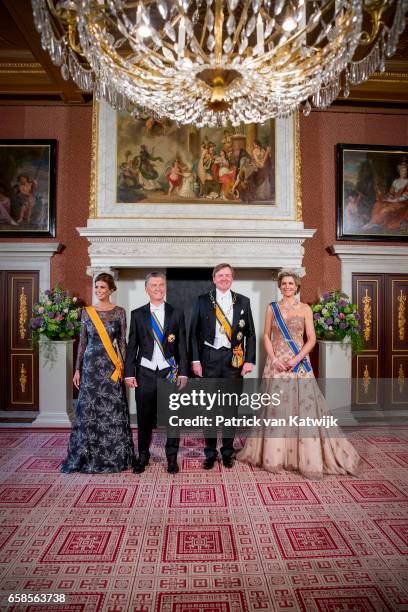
(336, 318)
(56, 316)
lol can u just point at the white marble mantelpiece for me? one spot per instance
(244, 247)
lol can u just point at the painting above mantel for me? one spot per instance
(157, 161)
(144, 168)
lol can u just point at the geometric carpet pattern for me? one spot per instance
(239, 540)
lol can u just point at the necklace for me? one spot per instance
(292, 306)
(104, 308)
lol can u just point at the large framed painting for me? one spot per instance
(27, 188)
(372, 192)
(160, 162)
(146, 167)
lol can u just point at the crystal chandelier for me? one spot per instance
(210, 62)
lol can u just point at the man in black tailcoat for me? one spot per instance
(156, 350)
(222, 345)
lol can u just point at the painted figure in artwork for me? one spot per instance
(174, 177)
(148, 174)
(211, 186)
(187, 188)
(391, 211)
(261, 159)
(243, 186)
(5, 207)
(25, 196)
(226, 176)
(354, 215)
(227, 145)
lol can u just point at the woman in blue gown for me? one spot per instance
(101, 438)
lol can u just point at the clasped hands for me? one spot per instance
(286, 365)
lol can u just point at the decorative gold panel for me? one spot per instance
(398, 290)
(19, 361)
(399, 393)
(23, 378)
(366, 294)
(367, 316)
(401, 378)
(367, 380)
(23, 381)
(402, 298)
(22, 314)
(20, 308)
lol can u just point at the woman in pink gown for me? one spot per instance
(312, 450)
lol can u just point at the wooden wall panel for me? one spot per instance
(367, 367)
(19, 359)
(381, 370)
(396, 325)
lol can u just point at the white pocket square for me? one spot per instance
(242, 312)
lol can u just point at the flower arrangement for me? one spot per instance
(56, 316)
(336, 318)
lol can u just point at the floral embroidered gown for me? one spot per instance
(101, 438)
(312, 450)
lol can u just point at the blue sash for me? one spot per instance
(158, 334)
(286, 334)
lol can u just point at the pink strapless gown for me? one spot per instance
(313, 451)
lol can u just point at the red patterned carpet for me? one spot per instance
(221, 541)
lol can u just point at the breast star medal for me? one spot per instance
(241, 323)
(171, 338)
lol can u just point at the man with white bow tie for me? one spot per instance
(222, 345)
(156, 350)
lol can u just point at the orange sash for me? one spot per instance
(223, 321)
(106, 341)
(237, 352)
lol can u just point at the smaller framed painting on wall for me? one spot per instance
(27, 188)
(372, 192)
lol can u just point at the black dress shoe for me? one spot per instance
(139, 467)
(209, 463)
(228, 462)
(173, 467)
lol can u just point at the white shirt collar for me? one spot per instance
(223, 296)
(155, 308)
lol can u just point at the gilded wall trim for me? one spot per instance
(367, 316)
(94, 162)
(402, 299)
(23, 378)
(22, 314)
(298, 170)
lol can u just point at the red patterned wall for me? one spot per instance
(71, 127)
(320, 132)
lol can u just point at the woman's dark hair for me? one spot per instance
(106, 278)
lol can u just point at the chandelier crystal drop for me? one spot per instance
(213, 62)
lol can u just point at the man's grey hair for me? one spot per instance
(154, 275)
